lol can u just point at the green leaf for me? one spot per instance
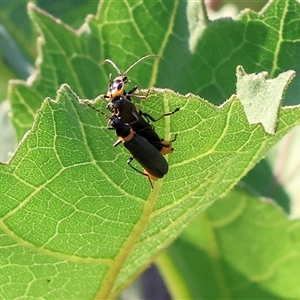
(92, 208)
(240, 248)
(5, 76)
(18, 39)
(15, 21)
(64, 57)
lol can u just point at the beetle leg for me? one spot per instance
(117, 142)
(149, 117)
(132, 90)
(130, 159)
(166, 146)
(131, 94)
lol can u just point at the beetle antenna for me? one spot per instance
(113, 64)
(138, 61)
(96, 109)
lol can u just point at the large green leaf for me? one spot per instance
(69, 195)
(240, 248)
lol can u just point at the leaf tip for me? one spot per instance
(262, 97)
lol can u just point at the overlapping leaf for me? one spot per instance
(248, 248)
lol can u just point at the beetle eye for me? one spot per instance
(120, 86)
